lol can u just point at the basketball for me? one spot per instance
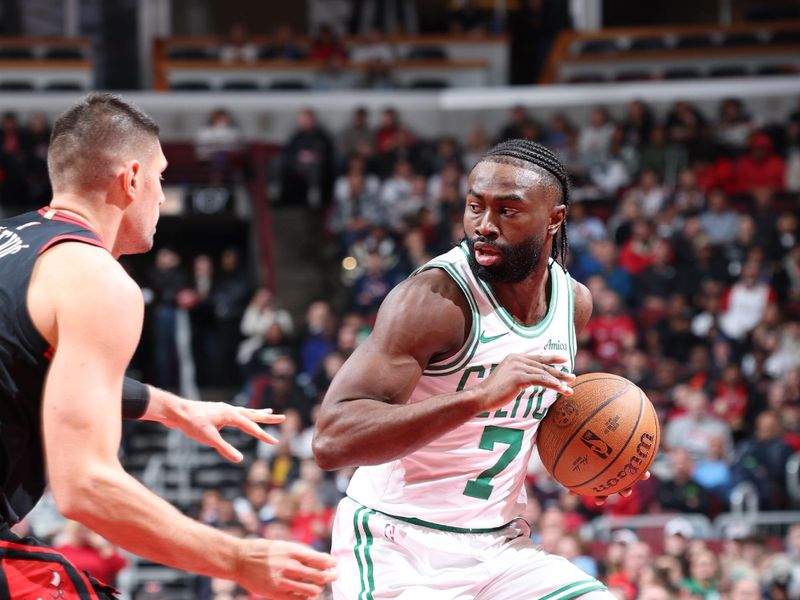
(601, 439)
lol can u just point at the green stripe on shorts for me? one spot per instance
(368, 557)
(574, 589)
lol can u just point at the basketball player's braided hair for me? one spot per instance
(527, 152)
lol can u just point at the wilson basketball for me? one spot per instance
(601, 439)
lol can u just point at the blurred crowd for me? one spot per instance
(684, 226)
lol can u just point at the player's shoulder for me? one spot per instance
(426, 309)
(432, 288)
(86, 270)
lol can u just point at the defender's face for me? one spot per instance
(143, 212)
(508, 219)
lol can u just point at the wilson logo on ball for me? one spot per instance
(595, 444)
(633, 465)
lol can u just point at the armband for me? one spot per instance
(135, 398)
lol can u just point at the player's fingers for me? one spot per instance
(252, 429)
(626, 492)
(646, 476)
(216, 441)
(314, 559)
(543, 377)
(262, 415)
(300, 572)
(548, 359)
(600, 500)
(300, 588)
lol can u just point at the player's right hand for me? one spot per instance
(281, 570)
(517, 372)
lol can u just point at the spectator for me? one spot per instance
(744, 303)
(693, 430)
(583, 228)
(713, 471)
(682, 493)
(326, 44)
(357, 131)
(318, 340)
(229, 297)
(609, 332)
(761, 460)
(282, 46)
(648, 193)
(512, 129)
(378, 76)
(637, 556)
(476, 146)
(594, 139)
(219, 143)
(703, 580)
(469, 18)
(733, 127)
(688, 198)
(638, 252)
(334, 75)
(165, 281)
(237, 47)
(261, 314)
(719, 222)
(307, 163)
(282, 392)
(88, 551)
(638, 123)
(760, 166)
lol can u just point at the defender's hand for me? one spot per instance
(202, 421)
(278, 569)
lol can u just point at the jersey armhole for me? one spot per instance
(455, 362)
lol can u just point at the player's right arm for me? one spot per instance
(91, 312)
(365, 419)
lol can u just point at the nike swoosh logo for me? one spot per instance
(485, 340)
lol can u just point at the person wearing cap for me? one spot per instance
(677, 533)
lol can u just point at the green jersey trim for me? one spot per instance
(431, 525)
(455, 364)
(571, 316)
(505, 316)
(574, 589)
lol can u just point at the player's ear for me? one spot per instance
(557, 216)
(132, 178)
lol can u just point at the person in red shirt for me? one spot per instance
(638, 253)
(326, 45)
(90, 552)
(609, 332)
(760, 166)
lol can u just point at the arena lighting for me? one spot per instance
(349, 263)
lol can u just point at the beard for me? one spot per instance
(518, 261)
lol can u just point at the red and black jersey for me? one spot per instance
(25, 355)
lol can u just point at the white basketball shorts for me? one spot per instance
(383, 557)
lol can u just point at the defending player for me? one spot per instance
(439, 407)
(70, 320)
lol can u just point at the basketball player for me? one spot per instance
(70, 319)
(440, 405)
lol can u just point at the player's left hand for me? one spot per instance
(202, 421)
(601, 500)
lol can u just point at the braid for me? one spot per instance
(531, 153)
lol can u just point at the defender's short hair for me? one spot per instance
(91, 135)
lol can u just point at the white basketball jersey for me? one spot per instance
(472, 478)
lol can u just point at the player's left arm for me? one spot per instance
(583, 312)
(201, 421)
